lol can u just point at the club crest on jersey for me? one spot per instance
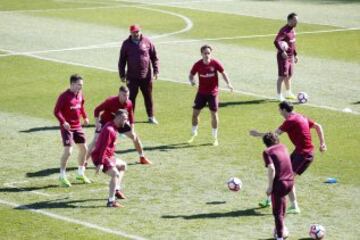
(212, 69)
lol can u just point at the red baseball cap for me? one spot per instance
(134, 28)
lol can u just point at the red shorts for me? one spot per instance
(202, 99)
(300, 162)
(69, 137)
(285, 66)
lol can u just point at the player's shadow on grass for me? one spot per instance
(63, 203)
(48, 128)
(50, 171)
(166, 147)
(257, 101)
(358, 102)
(17, 189)
(238, 213)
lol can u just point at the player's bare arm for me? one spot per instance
(227, 81)
(271, 177)
(320, 133)
(191, 80)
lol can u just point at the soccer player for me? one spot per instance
(280, 178)
(68, 110)
(207, 69)
(139, 54)
(107, 109)
(104, 159)
(298, 128)
(286, 56)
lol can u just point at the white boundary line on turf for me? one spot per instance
(111, 44)
(73, 220)
(170, 80)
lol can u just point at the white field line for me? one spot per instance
(116, 44)
(169, 80)
(73, 220)
(12, 185)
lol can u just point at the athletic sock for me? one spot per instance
(81, 170)
(214, 133)
(62, 173)
(194, 130)
(111, 199)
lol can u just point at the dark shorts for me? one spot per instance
(300, 162)
(202, 99)
(69, 137)
(285, 66)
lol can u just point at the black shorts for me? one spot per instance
(300, 162)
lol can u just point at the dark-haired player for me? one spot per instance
(298, 128)
(286, 56)
(68, 110)
(207, 69)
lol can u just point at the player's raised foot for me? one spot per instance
(265, 203)
(64, 182)
(120, 195)
(83, 179)
(144, 160)
(216, 142)
(153, 120)
(114, 204)
(293, 210)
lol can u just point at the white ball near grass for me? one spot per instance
(317, 231)
(302, 97)
(234, 184)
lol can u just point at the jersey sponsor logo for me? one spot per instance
(77, 106)
(212, 69)
(208, 75)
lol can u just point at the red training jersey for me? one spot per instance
(110, 106)
(69, 108)
(105, 144)
(279, 156)
(286, 34)
(208, 76)
(298, 127)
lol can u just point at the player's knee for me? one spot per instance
(121, 165)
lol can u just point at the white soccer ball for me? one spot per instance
(302, 97)
(285, 233)
(234, 184)
(284, 46)
(317, 231)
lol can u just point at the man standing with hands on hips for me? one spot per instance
(138, 55)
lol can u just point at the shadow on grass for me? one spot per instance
(238, 213)
(358, 102)
(49, 128)
(62, 203)
(257, 101)
(216, 202)
(305, 238)
(26, 189)
(166, 147)
(51, 171)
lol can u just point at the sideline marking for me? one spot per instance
(72, 220)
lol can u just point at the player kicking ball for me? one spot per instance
(103, 157)
(207, 69)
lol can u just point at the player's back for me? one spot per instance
(280, 158)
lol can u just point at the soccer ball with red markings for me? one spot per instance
(234, 184)
(302, 97)
(285, 233)
(284, 46)
(317, 231)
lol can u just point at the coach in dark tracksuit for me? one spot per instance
(139, 54)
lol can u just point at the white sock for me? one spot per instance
(279, 238)
(111, 199)
(295, 204)
(288, 92)
(214, 133)
(62, 173)
(81, 170)
(142, 154)
(194, 130)
(280, 95)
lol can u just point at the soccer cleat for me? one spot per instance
(64, 182)
(293, 210)
(290, 96)
(216, 142)
(120, 195)
(153, 120)
(83, 179)
(265, 203)
(194, 134)
(144, 160)
(114, 204)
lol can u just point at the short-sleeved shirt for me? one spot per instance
(105, 144)
(286, 34)
(208, 76)
(298, 127)
(110, 106)
(69, 108)
(279, 156)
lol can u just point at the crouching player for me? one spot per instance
(103, 156)
(280, 179)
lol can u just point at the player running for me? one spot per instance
(105, 113)
(104, 159)
(68, 110)
(286, 56)
(298, 128)
(207, 69)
